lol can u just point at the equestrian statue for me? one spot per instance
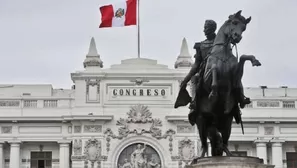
(218, 90)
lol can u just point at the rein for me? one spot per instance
(226, 43)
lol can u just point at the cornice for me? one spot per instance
(131, 73)
(245, 119)
(60, 118)
(37, 98)
(88, 117)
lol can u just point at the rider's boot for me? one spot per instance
(244, 101)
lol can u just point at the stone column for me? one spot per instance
(261, 147)
(64, 155)
(14, 155)
(277, 152)
(1, 155)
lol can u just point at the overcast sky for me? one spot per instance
(43, 41)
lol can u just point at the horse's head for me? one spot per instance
(236, 25)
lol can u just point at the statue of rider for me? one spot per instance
(202, 49)
(196, 73)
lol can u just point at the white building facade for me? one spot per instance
(123, 116)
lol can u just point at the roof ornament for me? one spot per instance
(93, 58)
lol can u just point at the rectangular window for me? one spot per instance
(50, 103)
(268, 103)
(288, 104)
(30, 103)
(291, 159)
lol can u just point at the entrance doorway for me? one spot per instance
(41, 159)
(291, 159)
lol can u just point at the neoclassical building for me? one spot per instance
(123, 117)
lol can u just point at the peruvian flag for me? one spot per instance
(118, 14)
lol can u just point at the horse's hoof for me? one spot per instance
(204, 151)
(226, 150)
(244, 102)
(256, 63)
(194, 161)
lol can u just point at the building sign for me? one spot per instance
(138, 92)
(135, 94)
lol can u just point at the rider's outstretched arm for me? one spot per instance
(193, 70)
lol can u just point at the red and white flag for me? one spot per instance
(118, 14)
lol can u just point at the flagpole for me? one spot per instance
(138, 30)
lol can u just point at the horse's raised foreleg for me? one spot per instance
(240, 65)
(214, 84)
(238, 77)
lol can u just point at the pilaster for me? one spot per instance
(277, 152)
(261, 147)
(1, 155)
(15, 154)
(64, 154)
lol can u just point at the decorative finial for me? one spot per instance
(184, 59)
(92, 48)
(184, 50)
(93, 58)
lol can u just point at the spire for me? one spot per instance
(93, 58)
(184, 59)
(92, 48)
(184, 50)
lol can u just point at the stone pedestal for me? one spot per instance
(229, 162)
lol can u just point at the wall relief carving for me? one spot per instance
(92, 153)
(92, 128)
(6, 129)
(92, 150)
(77, 129)
(185, 129)
(77, 147)
(269, 130)
(139, 122)
(186, 152)
(140, 114)
(139, 156)
(139, 81)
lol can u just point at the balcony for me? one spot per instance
(43, 107)
(272, 103)
(36, 103)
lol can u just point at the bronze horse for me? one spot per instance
(221, 86)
